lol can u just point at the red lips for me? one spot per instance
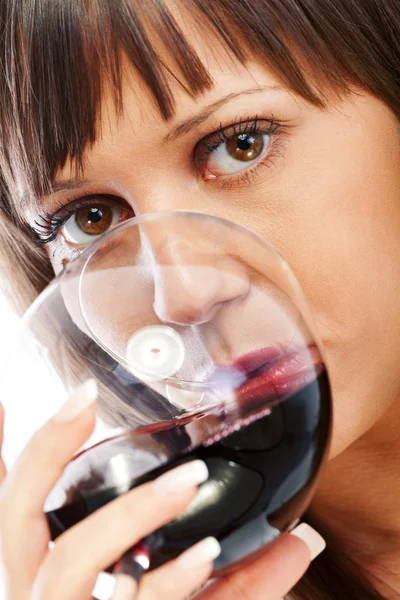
(258, 358)
(272, 373)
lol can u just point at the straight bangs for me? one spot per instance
(57, 56)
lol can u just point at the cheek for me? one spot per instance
(337, 222)
(356, 251)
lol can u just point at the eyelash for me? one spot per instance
(47, 230)
(250, 126)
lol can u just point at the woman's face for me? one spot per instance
(323, 186)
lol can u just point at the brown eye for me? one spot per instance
(233, 155)
(94, 220)
(90, 221)
(245, 147)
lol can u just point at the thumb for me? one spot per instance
(274, 572)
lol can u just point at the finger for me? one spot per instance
(181, 577)
(125, 588)
(272, 575)
(98, 541)
(3, 470)
(24, 533)
(42, 461)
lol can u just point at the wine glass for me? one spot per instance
(203, 346)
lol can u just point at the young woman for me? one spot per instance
(281, 115)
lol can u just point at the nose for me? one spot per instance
(192, 283)
(193, 294)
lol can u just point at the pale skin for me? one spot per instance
(69, 571)
(329, 202)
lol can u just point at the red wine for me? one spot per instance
(263, 466)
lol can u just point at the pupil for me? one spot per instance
(245, 142)
(94, 215)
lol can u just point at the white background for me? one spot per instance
(22, 408)
(8, 326)
(22, 387)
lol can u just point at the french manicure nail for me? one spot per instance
(203, 552)
(181, 478)
(314, 541)
(81, 398)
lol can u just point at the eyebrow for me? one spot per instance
(70, 184)
(179, 130)
(29, 203)
(186, 126)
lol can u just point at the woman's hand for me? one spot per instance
(274, 574)
(69, 571)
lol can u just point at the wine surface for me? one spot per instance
(261, 479)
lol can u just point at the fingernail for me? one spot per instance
(205, 551)
(181, 478)
(125, 588)
(82, 397)
(314, 541)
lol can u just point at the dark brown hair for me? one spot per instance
(56, 56)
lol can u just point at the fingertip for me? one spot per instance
(313, 540)
(82, 398)
(2, 412)
(125, 587)
(1, 425)
(204, 552)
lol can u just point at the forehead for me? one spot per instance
(188, 71)
(139, 124)
(140, 114)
